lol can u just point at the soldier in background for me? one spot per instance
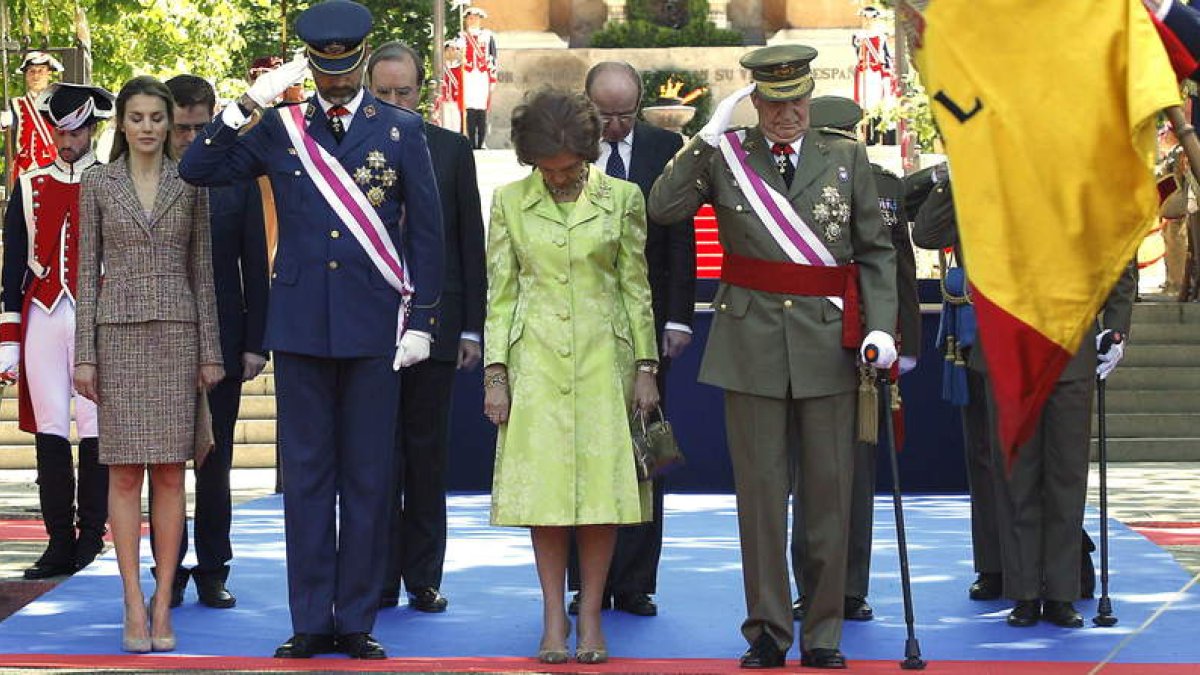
(843, 115)
(32, 138)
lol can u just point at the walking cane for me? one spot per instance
(1104, 613)
(912, 648)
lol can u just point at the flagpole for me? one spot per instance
(1186, 134)
(907, 163)
(439, 36)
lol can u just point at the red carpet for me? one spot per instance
(513, 665)
(1166, 533)
(32, 529)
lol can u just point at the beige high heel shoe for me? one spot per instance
(136, 645)
(165, 643)
(556, 656)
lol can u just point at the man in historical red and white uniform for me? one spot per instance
(37, 329)
(478, 46)
(448, 109)
(32, 138)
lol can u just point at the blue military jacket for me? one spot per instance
(327, 298)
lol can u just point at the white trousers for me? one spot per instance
(49, 371)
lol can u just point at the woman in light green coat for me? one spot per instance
(570, 351)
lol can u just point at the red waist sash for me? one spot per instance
(789, 278)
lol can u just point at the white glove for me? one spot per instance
(10, 358)
(907, 363)
(413, 349)
(1107, 361)
(6, 119)
(271, 84)
(719, 122)
(884, 344)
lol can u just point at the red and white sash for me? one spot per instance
(801, 245)
(351, 206)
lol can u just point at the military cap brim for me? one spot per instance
(837, 112)
(335, 32)
(73, 106)
(781, 72)
(40, 59)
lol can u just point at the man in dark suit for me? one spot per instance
(637, 152)
(240, 276)
(353, 299)
(418, 529)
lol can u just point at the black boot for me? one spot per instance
(56, 493)
(178, 585)
(93, 503)
(210, 586)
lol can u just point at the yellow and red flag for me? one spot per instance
(1048, 112)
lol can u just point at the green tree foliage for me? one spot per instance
(640, 30)
(216, 39)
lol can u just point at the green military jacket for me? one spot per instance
(770, 344)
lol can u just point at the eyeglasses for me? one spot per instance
(185, 128)
(623, 118)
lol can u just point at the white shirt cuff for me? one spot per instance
(682, 328)
(232, 116)
(473, 337)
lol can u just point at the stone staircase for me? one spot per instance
(253, 437)
(1153, 398)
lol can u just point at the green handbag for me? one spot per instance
(655, 450)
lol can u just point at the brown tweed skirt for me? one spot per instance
(147, 374)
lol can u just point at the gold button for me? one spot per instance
(738, 208)
(562, 278)
(564, 352)
(333, 264)
(334, 234)
(696, 153)
(787, 303)
(565, 389)
(274, 275)
(433, 321)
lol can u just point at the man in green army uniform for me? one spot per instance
(842, 115)
(1040, 500)
(808, 268)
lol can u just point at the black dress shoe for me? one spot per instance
(764, 653)
(1025, 613)
(1061, 614)
(573, 606)
(819, 657)
(305, 646)
(87, 548)
(638, 604)
(360, 646)
(857, 609)
(798, 609)
(428, 600)
(987, 586)
(210, 588)
(44, 569)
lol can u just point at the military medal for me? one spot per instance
(395, 134)
(888, 208)
(374, 176)
(832, 212)
(843, 174)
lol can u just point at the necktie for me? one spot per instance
(615, 166)
(783, 159)
(335, 121)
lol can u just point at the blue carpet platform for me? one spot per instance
(494, 608)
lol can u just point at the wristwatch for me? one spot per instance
(648, 367)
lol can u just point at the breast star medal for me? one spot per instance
(375, 176)
(832, 212)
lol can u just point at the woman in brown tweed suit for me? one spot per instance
(146, 339)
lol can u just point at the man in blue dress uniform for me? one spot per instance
(346, 309)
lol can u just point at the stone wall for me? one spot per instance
(526, 69)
